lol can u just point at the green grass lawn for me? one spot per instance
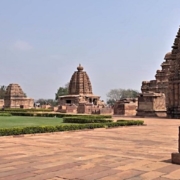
(21, 121)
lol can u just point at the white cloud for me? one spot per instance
(22, 45)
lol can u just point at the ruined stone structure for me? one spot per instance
(160, 84)
(156, 91)
(126, 107)
(173, 109)
(16, 98)
(80, 98)
(151, 104)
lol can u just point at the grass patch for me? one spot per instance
(18, 121)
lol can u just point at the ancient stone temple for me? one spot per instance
(173, 109)
(80, 98)
(16, 98)
(154, 97)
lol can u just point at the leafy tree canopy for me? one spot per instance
(2, 91)
(62, 91)
(51, 102)
(116, 94)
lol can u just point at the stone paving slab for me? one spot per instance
(124, 153)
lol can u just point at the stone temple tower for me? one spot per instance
(80, 82)
(173, 109)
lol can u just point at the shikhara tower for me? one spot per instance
(173, 109)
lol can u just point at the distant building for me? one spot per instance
(80, 98)
(16, 98)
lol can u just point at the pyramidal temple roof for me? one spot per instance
(14, 90)
(80, 82)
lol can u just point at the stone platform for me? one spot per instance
(131, 153)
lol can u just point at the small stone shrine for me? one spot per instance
(16, 98)
(126, 107)
(80, 98)
(154, 97)
(151, 104)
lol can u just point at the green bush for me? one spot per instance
(5, 114)
(85, 120)
(47, 129)
(22, 114)
(131, 122)
(38, 114)
(25, 110)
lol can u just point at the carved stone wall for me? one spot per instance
(151, 104)
(174, 81)
(161, 83)
(126, 107)
(150, 101)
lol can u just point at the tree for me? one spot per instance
(62, 91)
(51, 102)
(2, 91)
(116, 94)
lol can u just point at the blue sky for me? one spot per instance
(120, 43)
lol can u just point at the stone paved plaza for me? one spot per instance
(133, 153)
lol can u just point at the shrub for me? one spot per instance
(131, 122)
(5, 114)
(85, 120)
(16, 113)
(25, 110)
(45, 129)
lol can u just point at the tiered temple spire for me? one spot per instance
(174, 80)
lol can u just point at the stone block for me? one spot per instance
(175, 158)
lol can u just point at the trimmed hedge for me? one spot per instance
(85, 120)
(125, 123)
(5, 114)
(47, 129)
(58, 115)
(25, 110)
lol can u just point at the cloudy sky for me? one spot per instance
(120, 43)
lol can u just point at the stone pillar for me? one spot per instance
(175, 157)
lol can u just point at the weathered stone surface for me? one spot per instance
(16, 98)
(80, 82)
(126, 107)
(160, 84)
(151, 104)
(173, 109)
